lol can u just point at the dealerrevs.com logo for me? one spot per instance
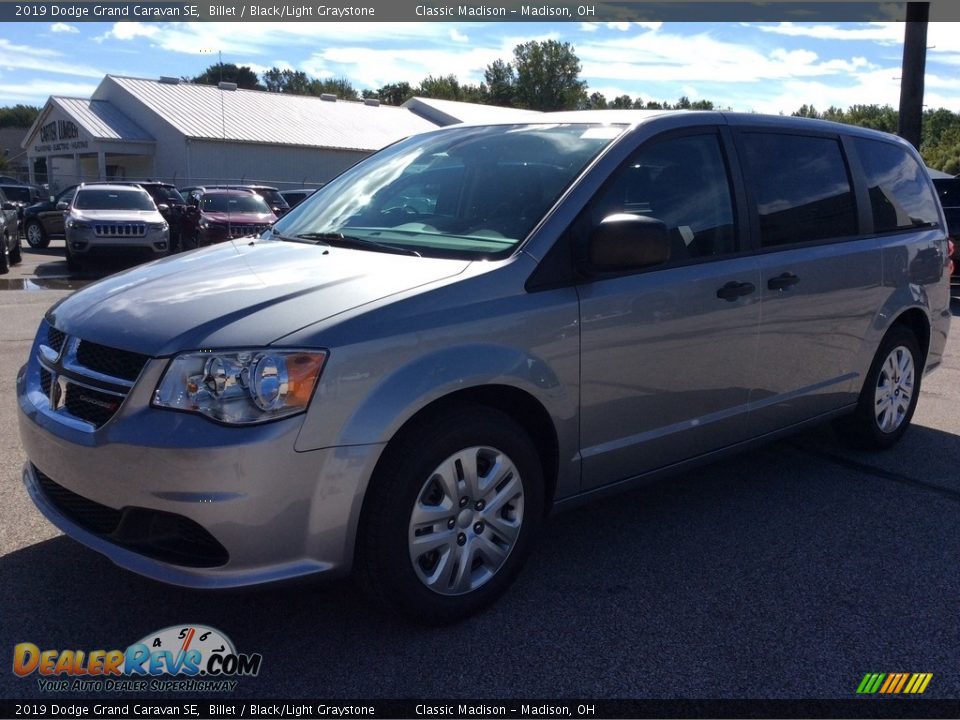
(180, 658)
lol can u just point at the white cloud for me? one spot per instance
(36, 92)
(889, 32)
(63, 28)
(129, 31)
(457, 36)
(25, 57)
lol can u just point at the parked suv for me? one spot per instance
(44, 220)
(278, 204)
(477, 326)
(217, 215)
(105, 218)
(9, 234)
(170, 204)
(22, 196)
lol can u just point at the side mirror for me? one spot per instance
(624, 242)
(63, 205)
(163, 207)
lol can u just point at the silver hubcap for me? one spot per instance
(33, 235)
(894, 389)
(466, 520)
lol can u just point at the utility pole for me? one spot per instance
(910, 124)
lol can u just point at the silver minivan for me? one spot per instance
(477, 326)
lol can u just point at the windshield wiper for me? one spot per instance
(351, 241)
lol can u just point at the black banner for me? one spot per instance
(488, 709)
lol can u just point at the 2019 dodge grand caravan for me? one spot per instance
(476, 326)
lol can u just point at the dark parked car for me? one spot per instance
(215, 215)
(171, 205)
(274, 199)
(23, 196)
(9, 234)
(948, 190)
(297, 196)
(45, 219)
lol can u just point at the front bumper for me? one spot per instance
(277, 513)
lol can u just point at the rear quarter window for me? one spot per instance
(801, 186)
(900, 193)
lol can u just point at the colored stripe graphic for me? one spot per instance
(894, 683)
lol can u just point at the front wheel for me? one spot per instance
(73, 264)
(889, 395)
(451, 515)
(4, 253)
(36, 235)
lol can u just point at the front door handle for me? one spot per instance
(782, 282)
(733, 290)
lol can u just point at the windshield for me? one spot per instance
(466, 192)
(95, 199)
(165, 194)
(271, 196)
(234, 203)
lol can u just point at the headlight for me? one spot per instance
(241, 387)
(157, 226)
(78, 224)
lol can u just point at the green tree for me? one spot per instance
(548, 76)
(395, 93)
(294, 82)
(243, 76)
(21, 116)
(442, 88)
(622, 102)
(597, 101)
(500, 80)
(341, 87)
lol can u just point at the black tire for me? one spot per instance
(384, 563)
(15, 256)
(4, 253)
(863, 428)
(73, 264)
(37, 237)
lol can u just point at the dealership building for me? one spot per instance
(190, 134)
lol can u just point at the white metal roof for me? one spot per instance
(102, 119)
(451, 112)
(206, 111)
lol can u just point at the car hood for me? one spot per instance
(238, 293)
(239, 218)
(118, 215)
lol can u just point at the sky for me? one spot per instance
(756, 67)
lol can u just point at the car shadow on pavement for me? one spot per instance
(779, 573)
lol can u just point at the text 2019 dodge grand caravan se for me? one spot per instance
(478, 325)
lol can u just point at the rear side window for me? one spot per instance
(900, 195)
(801, 186)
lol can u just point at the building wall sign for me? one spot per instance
(60, 136)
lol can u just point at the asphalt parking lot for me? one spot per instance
(788, 572)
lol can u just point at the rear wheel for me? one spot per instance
(889, 395)
(451, 515)
(36, 235)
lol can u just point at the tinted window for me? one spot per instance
(19, 194)
(900, 194)
(95, 199)
(683, 183)
(949, 191)
(801, 186)
(234, 203)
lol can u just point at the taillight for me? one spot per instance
(951, 248)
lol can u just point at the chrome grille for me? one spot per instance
(236, 231)
(84, 383)
(120, 229)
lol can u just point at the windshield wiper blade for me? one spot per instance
(336, 238)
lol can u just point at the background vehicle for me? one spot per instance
(105, 219)
(22, 196)
(215, 215)
(171, 205)
(278, 205)
(9, 234)
(44, 220)
(297, 196)
(948, 190)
